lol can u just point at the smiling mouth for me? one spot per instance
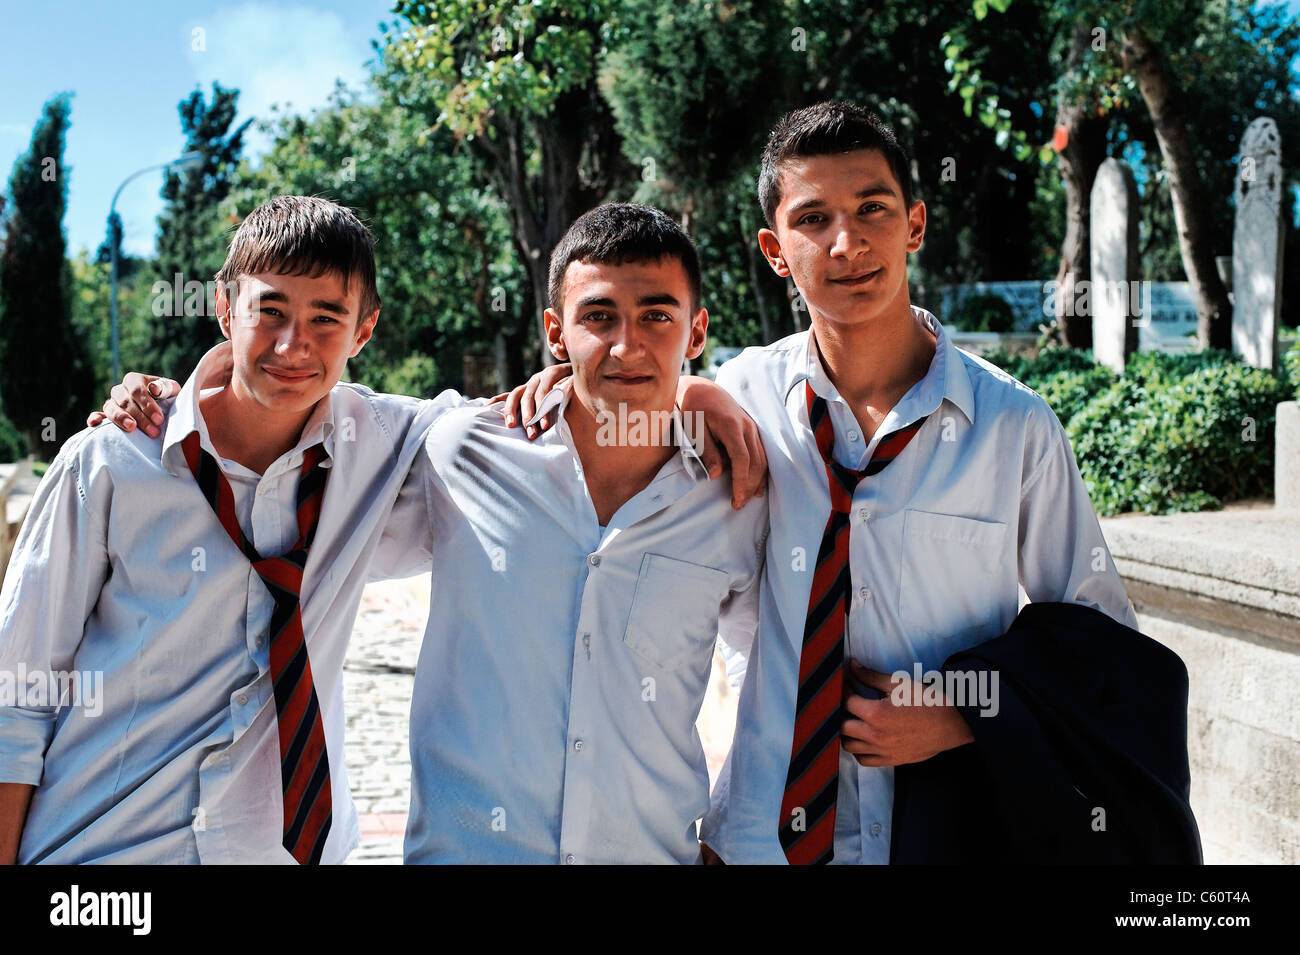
(290, 376)
(861, 279)
(629, 379)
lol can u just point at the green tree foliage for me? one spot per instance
(47, 380)
(192, 234)
(518, 84)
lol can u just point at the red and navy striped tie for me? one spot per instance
(304, 764)
(807, 829)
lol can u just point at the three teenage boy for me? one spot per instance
(949, 472)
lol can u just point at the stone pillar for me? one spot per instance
(1286, 460)
(1257, 246)
(1114, 292)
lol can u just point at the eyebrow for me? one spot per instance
(324, 305)
(661, 298)
(877, 189)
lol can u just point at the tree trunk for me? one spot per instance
(1213, 310)
(1080, 157)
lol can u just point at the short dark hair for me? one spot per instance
(304, 235)
(826, 129)
(619, 232)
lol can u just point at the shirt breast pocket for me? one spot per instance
(674, 617)
(952, 587)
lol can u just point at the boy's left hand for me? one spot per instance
(884, 733)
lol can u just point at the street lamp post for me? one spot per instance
(115, 240)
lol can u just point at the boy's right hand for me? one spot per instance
(132, 403)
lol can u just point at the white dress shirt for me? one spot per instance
(984, 501)
(123, 570)
(565, 664)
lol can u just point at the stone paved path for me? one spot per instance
(377, 681)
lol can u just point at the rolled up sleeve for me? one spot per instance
(58, 565)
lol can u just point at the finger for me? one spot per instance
(114, 413)
(165, 388)
(139, 403)
(861, 706)
(497, 399)
(711, 457)
(859, 732)
(758, 457)
(94, 418)
(512, 406)
(528, 400)
(755, 472)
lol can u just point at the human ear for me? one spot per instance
(699, 329)
(915, 226)
(771, 246)
(365, 328)
(555, 335)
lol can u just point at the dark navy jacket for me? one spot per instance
(1084, 763)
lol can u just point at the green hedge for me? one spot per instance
(1173, 433)
(12, 445)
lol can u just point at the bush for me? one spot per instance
(1160, 445)
(417, 375)
(1175, 432)
(984, 312)
(1290, 365)
(1034, 371)
(12, 445)
(1068, 392)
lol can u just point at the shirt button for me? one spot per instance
(594, 560)
(241, 700)
(577, 744)
(264, 489)
(864, 514)
(853, 436)
(875, 828)
(569, 859)
(864, 593)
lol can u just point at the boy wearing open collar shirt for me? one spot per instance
(954, 485)
(580, 582)
(195, 583)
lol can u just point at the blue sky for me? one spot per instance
(130, 63)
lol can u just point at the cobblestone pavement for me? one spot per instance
(377, 680)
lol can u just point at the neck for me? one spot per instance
(873, 360)
(616, 470)
(247, 432)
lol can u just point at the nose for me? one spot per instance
(626, 342)
(850, 239)
(292, 341)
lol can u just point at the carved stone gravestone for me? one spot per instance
(1257, 246)
(1114, 293)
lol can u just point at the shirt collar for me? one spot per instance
(186, 417)
(945, 378)
(557, 399)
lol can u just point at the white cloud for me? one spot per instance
(285, 55)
